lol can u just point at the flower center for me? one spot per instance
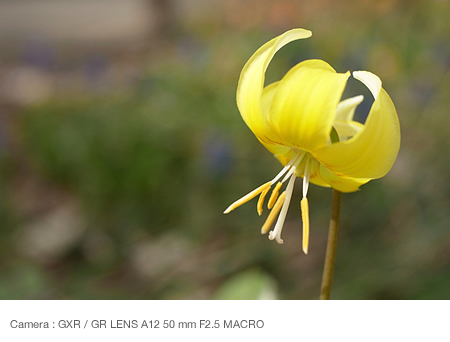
(281, 203)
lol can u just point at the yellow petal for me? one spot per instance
(274, 144)
(270, 138)
(321, 176)
(251, 83)
(343, 123)
(346, 129)
(341, 183)
(315, 177)
(370, 80)
(304, 106)
(346, 109)
(267, 96)
(372, 152)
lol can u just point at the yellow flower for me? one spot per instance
(301, 120)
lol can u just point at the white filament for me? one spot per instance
(287, 167)
(276, 232)
(293, 168)
(306, 174)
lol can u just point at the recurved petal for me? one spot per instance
(346, 129)
(267, 96)
(270, 138)
(251, 81)
(372, 152)
(346, 109)
(304, 106)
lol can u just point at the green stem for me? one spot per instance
(330, 256)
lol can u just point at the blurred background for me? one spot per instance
(121, 145)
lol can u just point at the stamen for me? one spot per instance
(306, 174)
(247, 197)
(305, 207)
(293, 168)
(274, 212)
(305, 219)
(259, 206)
(274, 195)
(276, 232)
(283, 171)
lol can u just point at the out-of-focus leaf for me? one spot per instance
(252, 284)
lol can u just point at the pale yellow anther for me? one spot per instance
(305, 218)
(259, 206)
(274, 195)
(247, 197)
(273, 214)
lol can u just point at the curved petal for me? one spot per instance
(321, 176)
(304, 106)
(284, 155)
(347, 129)
(370, 80)
(342, 184)
(267, 96)
(346, 109)
(272, 141)
(372, 152)
(343, 122)
(314, 175)
(251, 82)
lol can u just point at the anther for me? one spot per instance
(274, 195)
(305, 219)
(273, 213)
(247, 197)
(259, 206)
(276, 232)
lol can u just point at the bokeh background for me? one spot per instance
(121, 145)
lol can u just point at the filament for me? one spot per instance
(306, 174)
(276, 232)
(294, 167)
(288, 165)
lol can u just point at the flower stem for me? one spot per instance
(330, 256)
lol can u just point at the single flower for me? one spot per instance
(301, 120)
